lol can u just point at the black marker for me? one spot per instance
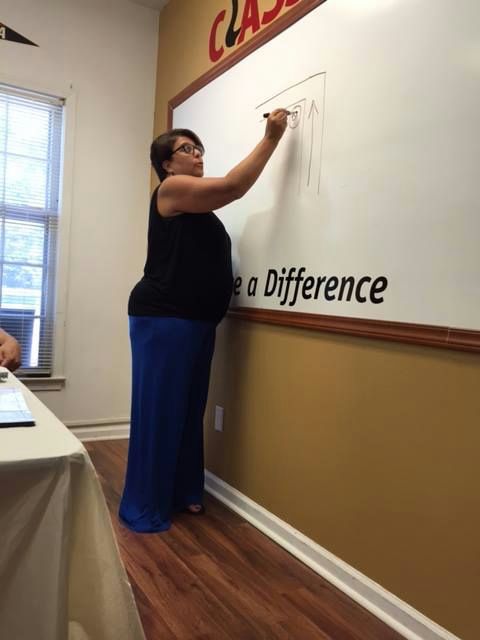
(289, 113)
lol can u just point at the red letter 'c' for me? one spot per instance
(215, 54)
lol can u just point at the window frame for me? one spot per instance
(57, 378)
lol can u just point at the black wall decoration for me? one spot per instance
(9, 34)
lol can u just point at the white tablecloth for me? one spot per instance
(61, 576)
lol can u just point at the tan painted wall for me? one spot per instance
(369, 448)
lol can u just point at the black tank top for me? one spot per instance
(188, 272)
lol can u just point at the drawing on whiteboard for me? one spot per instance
(295, 116)
(306, 119)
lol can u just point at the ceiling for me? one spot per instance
(153, 4)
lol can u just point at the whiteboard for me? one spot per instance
(376, 183)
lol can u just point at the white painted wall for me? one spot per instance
(101, 56)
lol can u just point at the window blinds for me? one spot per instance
(31, 126)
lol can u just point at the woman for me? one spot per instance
(173, 314)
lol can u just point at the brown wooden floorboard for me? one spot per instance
(216, 577)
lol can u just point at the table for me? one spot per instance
(61, 576)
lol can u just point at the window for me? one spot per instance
(31, 127)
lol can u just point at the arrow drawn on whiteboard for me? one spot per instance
(315, 75)
(307, 161)
(311, 117)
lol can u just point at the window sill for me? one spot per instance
(55, 383)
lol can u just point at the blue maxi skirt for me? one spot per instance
(171, 360)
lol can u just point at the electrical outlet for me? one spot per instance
(218, 418)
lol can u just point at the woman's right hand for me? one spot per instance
(191, 194)
(276, 124)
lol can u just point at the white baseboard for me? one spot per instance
(397, 614)
(108, 429)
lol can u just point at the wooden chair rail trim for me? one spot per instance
(429, 335)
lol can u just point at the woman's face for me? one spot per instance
(186, 158)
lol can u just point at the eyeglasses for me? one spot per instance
(191, 149)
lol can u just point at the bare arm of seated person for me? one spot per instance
(10, 352)
(187, 193)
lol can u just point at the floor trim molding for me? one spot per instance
(397, 614)
(105, 429)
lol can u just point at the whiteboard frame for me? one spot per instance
(419, 334)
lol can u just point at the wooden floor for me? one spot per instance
(215, 577)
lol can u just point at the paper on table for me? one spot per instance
(13, 409)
